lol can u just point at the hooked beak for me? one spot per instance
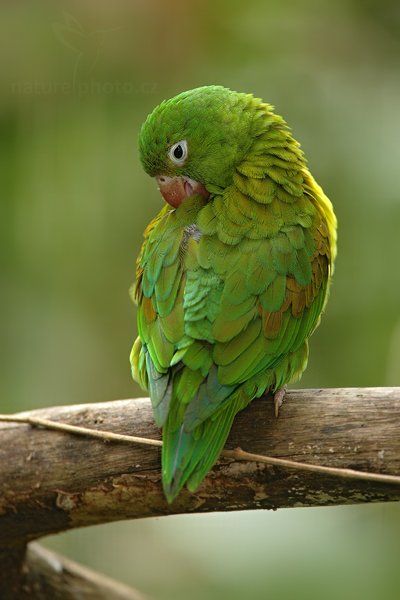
(175, 190)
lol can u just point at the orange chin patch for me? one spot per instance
(175, 190)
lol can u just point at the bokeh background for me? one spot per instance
(77, 80)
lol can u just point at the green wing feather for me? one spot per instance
(228, 293)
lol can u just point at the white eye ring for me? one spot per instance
(178, 153)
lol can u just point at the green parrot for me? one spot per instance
(233, 273)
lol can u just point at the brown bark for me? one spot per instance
(51, 481)
(35, 573)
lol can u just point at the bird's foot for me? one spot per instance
(279, 397)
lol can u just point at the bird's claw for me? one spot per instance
(279, 397)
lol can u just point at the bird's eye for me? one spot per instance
(178, 152)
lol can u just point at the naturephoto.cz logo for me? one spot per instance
(86, 46)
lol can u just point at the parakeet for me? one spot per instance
(233, 273)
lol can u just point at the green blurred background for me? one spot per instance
(77, 80)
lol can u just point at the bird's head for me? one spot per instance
(192, 142)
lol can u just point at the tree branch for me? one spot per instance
(39, 574)
(51, 481)
(236, 454)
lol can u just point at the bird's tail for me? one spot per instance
(188, 455)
